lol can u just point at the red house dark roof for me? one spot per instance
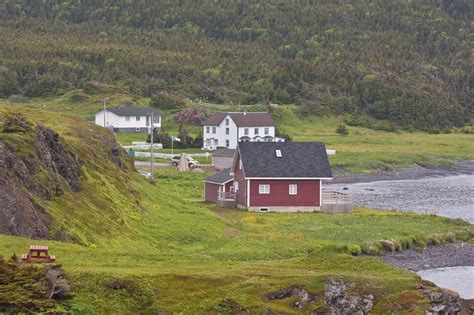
(242, 119)
(284, 160)
(220, 178)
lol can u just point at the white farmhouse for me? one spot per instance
(227, 129)
(128, 119)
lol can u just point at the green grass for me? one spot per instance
(183, 255)
(143, 247)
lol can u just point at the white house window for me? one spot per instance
(127, 118)
(246, 131)
(208, 129)
(264, 189)
(267, 131)
(138, 118)
(227, 131)
(293, 189)
(227, 143)
(256, 131)
(227, 121)
(214, 130)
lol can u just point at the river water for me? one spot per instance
(450, 196)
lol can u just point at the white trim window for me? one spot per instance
(293, 189)
(267, 131)
(137, 118)
(127, 118)
(227, 131)
(227, 121)
(208, 129)
(264, 189)
(256, 131)
(213, 130)
(246, 131)
(227, 143)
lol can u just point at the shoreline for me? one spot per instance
(465, 167)
(433, 257)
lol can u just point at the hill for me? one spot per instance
(138, 247)
(407, 62)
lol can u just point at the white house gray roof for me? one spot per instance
(220, 178)
(298, 159)
(224, 152)
(134, 111)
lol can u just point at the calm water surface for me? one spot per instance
(450, 196)
(460, 279)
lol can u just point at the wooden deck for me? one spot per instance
(226, 199)
(333, 201)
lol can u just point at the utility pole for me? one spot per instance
(151, 146)
(105, 111)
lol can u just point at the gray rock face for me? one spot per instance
(342, 303)
(442, 302)
(57, 158)
(46, 171)
(303, 296)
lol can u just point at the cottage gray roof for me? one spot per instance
(134, 111)
(298, 159)
(220, 178)
(224, 152)
(242, 119)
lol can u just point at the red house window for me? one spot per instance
(264, 189)
(293, 189)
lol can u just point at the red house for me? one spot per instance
(285, 176)
(221, 182)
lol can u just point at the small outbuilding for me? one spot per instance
(219, 183)
(223, 158)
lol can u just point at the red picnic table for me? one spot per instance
(38, 253)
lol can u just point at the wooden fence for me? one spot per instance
(333, 201)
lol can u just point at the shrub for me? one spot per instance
(342, 130)
(163, 100)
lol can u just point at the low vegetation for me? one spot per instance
(165, 250)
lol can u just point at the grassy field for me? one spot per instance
(143, 247)
(183, 255)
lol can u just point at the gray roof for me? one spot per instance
(134, 111)
(224, 152)
(298, 159)
(242, 119)
(220, 178)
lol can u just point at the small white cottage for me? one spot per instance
(128, 119)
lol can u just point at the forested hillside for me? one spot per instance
(407, 62)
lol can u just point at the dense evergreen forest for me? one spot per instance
(407, 62)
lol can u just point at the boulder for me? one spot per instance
(342, 303)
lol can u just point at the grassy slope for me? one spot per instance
(184, 255)
(176, 253)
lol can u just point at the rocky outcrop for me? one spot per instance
(35, 165)
(56, 157)
(303, 297)
(340, 302)
(441, 301)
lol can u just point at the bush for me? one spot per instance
(163, 100)
(342, 130)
